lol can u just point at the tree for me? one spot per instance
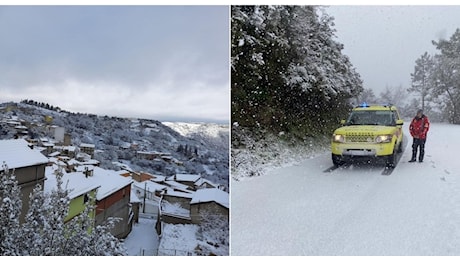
(367, 96)
(446, 76)
(10, 210)
(288, 72)
(215, 234)
(421, 83)
(394, 96)
(44, 231)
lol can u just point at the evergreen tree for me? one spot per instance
(446, 76)
(10, 210)
(288, 73)
(45, 232)
(421, 83)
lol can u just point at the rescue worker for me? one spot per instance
(418, 129)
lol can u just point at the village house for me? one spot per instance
(88, 149)
(209, 202)
(185, 179)
(149, 193)
(29, 167)
(112, 199)
(174, 207)
(80, 190)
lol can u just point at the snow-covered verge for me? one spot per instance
(180, 240)
(356, 210)
(256, 152)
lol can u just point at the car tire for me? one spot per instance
(400, 150)
(337, 161)
(391, 160)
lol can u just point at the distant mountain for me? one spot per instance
(186, 148)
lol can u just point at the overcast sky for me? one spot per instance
(169, 63)
(383, 42)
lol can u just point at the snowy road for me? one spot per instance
(143, 239)
(302, 210)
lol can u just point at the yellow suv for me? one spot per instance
(371, 131)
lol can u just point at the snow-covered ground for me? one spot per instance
(143, 239)
(181, 240)
(303, 210)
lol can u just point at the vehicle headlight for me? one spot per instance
(383, 138)
(338, 138)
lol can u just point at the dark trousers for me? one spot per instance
(418, 144)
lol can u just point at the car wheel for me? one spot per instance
(391, 160)
(400, 150)
(336, 160)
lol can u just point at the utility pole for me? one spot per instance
(145, 194)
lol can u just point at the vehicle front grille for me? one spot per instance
(359, 138)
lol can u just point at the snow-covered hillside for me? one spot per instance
(215, 134)
(305, 210)
(119, 139)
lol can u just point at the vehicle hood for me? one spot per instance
(365, 129)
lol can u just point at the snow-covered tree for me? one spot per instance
(421, 83)
(10, 211)
(288, 72)
(446, 76)
(45, 232)
(215, 234)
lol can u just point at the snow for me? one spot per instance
(208, 195)
(87, 145)
(177, 185)
(17, 154)
(75, 182)
(181, 239)
(150, 186)
(143, 239)
(107, 180)
(184, 177)
(303, 210)
(179, 194)
(174, 209)
(133, 197)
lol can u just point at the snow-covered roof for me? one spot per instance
(70, 148)
(151, 186)
(54, 154)
(179, 194)
(158, 178)
(184, 177)
(110, 181)
(17, 154)
(174, 208)
(90, 162)
(201, 181)
(83, 168)
(208, 195)
(134, 198)
(77, 183)
(177, 185)
(87, 145)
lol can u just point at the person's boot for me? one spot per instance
(420, 157)
(414, 155)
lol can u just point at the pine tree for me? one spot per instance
(10, 211)
(45, 232)
(421, 83)
(36, 223)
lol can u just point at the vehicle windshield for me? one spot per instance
(378, 117)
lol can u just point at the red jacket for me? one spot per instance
(419, 127)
